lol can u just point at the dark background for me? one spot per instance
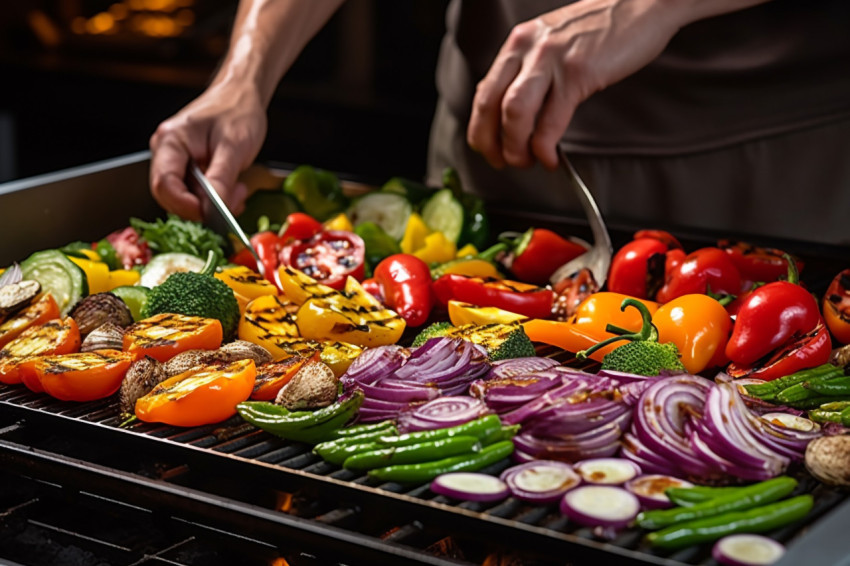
(82, 83)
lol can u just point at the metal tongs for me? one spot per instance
(222, 213)
(598, 258)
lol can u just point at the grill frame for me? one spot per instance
(88, 187)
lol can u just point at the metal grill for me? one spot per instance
(248, 483)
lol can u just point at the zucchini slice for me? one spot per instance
(444, 213)
(388, 210)
(58, 275)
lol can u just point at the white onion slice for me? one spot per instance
(747, 550)
(540, 481)
(600, 506)
(650, 489)
(608, 471)
(793, 422)
(470, 486)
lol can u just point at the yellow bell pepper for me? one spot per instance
(336, 355)
(339, 222)
(96, 272)
(267, 317)
(123, 277)
(467, 251)
(437, 249)
(414, 234)
(90, 254)
(298, 287)
(461, 313)
(246, 282)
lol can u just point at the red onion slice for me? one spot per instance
(514, 367)
(608, 471)
(747, 550)
(11, 276)
(600, 506)
(442, 412)
(540, 481)
(650, 489)
(470, 486)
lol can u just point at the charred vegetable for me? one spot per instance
(313, 386)
(108, 336)
(95, 310)
(140, 379)
(18, 295)
(828, 459)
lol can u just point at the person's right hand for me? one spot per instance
(222, 130)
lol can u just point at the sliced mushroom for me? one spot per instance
(312, 387)
(142, 376)
(98, 309)
(828, 459)
(184, 361)
(244, 350)
(18, 295)
(107, 336)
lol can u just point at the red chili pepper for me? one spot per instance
(836, 307)
(405, 283)
(755, 263)
(638, 268)
(539, 252)
(528, 300)
(329, 257)
(702, 271)
(770, 317)
(800, 352)
(299, 226)
(267, 245)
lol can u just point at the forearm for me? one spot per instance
(267, 37)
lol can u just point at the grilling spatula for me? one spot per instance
(218, 216)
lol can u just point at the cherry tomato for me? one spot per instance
(836, 307)
(329, 257)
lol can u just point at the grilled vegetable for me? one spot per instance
(600, 506)
(196, 294)
(59, 336)
(337, 355)
(202, 395)
(353, 316)
(828, 459)
(141, 377)
(107, 336)
(514, 296)
(470, 486)
(81, 376)
(272, 376)
(17, 296)
(98, 309)
(329, 257)
(412, 453)
(298, 287)
(163, 336)
(58, 276)
(246, 282)
(427, 471)
(44, 309)
(267, 317)
(502, 341)
(313, 386)
(747, 549)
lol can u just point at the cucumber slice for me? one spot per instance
(443, 212)
(390, 211)
(274, 204)
(58, 275)
(161, 266)
(134, 296)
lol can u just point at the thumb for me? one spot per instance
(223, 173)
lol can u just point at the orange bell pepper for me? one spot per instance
(271, 377)
(39, 312)
(59, 336)
(699, 326)
(587, 327)
(80, 376)
(165, 335)
(200, 396)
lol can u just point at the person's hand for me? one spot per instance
(549, 65)
(223, 131)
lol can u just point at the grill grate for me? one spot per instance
(209, 460)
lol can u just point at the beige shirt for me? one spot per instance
(736, 125)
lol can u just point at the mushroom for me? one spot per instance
(828, 459)
(142, 376)
(15, 296)
(108, 336)
(95, 310)
(243, 350)
(184, 361)
(312, 387)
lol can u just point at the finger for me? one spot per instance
(520, 107)
(485, 125)
(223, 172)
(167, 173)
(552, 122)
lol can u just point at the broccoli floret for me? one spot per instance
(196, 294)
(502, 341)
(643, 355)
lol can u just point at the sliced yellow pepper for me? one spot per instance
(267, 317)
(467, 251)
(123, 277)
(437, 249)
(414, 234)
(461, 313)
(90, 254)
(339, 222)
(96, 272)
(472, 267)
(246, 282)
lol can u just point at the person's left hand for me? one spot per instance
(549, 65)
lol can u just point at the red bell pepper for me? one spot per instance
(707, 270)
(771, 317)
(299, 226)
(638, 268)
(267, 245)
(836, 307)
(329, 257)
(757, 264)
(539, 252)
(404, 282)
(800, 352)
(521, 298)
